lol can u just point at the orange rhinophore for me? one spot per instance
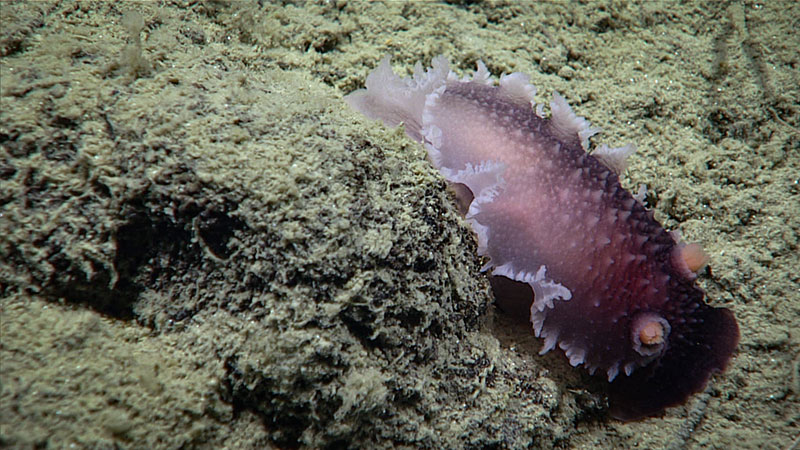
(694, 256)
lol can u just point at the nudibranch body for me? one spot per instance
(597, 275)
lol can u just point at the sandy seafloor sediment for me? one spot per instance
(202, 246)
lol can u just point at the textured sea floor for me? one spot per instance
(202, 246)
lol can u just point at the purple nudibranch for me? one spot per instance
(567, 245)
